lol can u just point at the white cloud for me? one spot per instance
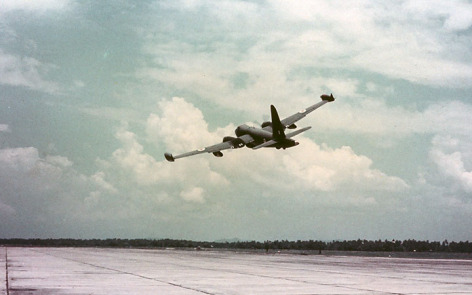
(22, 170)
(369, 116)
(24, 71)
(99, 179)
(225, 9)
(455, 14)
(4, 128)
(415, 65)
(394, 40)
(452, 166)
(452, 158)
(59, 161)
(146, 170)
(19, 159)
(38, 5)
(323, 168)
(194, 194)
(375, 117)
(173, 188)
(181, 126)
(385, 38)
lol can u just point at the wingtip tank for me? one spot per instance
(169, 157)
(327, 97)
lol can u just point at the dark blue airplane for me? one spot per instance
(271, 134)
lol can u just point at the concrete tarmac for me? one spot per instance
(137, 271)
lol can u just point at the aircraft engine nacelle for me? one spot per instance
(228, 138)
(265, 124)
(236, 142)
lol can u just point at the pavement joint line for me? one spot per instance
(370, 275)
(235, 271)
(229, 271)
(6, 271)
(129, 273)
(307, 282)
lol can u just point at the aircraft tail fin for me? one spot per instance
(277, 127)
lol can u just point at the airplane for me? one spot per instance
(271, 134)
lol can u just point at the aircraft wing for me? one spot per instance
(215, 149)
(301, 114)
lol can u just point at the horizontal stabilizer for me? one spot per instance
(297, 132)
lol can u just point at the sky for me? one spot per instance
(93, 93)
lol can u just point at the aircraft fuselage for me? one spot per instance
(254, 132)
(263, 135)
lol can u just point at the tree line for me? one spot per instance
(346, 245)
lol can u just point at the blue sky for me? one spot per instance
(93, 93)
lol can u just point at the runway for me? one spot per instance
(139, 271)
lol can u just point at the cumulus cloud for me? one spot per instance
(46, 195)
(146, 170)
(181, 126)
(309, 165)
(19, 159)
(452, 158)
(136, 181)
(451, 165)
(194, 194)
(397, 40)
(327, 169)
(24, 169)
(173, 188)
(99, 179)
(400, 40)
(24, 71)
